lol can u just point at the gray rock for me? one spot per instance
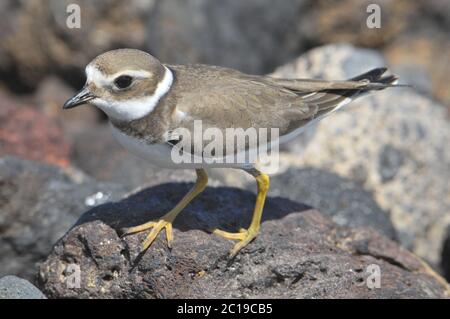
(38, 203)
(12, 287)
(299, 253)
(347, 203)
(253, 36)
(393, 142)
(390, 162)
(334, 61)
(414, 75)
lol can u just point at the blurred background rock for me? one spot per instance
(393, 145)
(254, 36)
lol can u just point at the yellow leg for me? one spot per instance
(245, 236)
(165, 222)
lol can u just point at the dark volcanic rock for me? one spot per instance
(346, 202)
(38, 203)
(12, 287)
(445, 255)
(299, 253)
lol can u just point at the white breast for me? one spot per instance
(156, 154)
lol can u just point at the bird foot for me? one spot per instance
(156, 227)
(244, 236)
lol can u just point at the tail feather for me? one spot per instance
(328, 100)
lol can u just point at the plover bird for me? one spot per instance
(147, 101)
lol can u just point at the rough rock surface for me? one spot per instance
(38, 203)
(393, 142)
(27, 132)
(299, 254)
(346, 202)
(12, 287)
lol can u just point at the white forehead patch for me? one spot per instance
(131, 109)
(94, 75)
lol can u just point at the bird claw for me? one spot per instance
(156, 227)
(244, 236)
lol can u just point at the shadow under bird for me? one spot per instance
(146, 101)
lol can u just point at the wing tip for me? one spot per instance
(371, 76)
(376, 80)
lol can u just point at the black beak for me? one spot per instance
(80, 98)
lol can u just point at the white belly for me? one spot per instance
(161, 154)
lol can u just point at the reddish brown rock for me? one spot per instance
(29, 133)
(51, 95)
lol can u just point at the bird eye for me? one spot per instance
(123, 81)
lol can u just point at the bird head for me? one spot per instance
(126, 84)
